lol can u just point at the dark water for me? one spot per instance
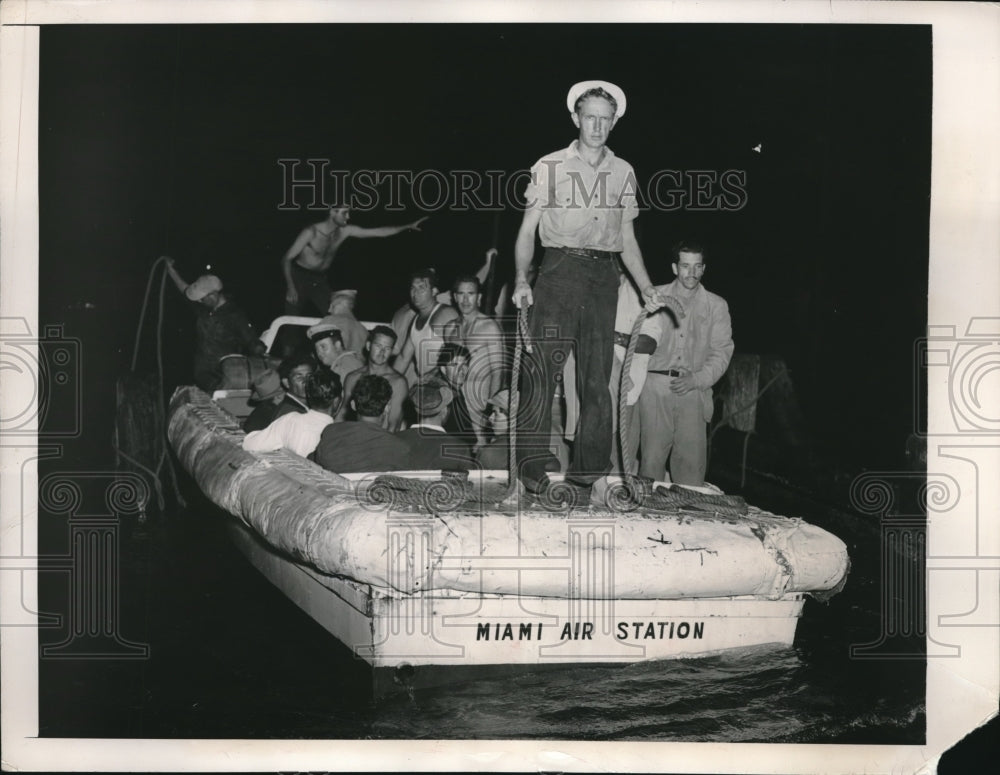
(230, 656)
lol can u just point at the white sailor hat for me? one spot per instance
(322, 330)
(345, 293)
(204, 285)
(579, 88)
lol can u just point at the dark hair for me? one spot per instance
(595, 92)
(451, 351)
(371, 395)
(427, 273)
(323, 389)
(383, 331)
(292, 362)
(687, 246)
(466, 278)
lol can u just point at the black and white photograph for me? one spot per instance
(499, 388)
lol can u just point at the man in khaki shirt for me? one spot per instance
(582, 202)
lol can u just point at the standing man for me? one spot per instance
(483, 338)
(582, 202)
(221, 328)
(693, 353)
(381, 341)
(310, 256)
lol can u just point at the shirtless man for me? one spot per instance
(310, 256)
(483, 339)
(426, 332)
(380, 344)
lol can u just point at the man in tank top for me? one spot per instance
(427, 330)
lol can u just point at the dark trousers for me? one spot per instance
(312, 287)
(576, 300)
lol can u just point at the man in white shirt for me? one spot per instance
(300, 433)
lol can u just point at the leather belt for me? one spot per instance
(622, 339)
(667, 372)
(588, 253)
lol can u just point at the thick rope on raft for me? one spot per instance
(454, 491)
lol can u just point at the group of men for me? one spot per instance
(345, 404)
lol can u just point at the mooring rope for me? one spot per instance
(161, 395)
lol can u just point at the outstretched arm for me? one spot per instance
(484, 271)
(383, 231)
(178, 280)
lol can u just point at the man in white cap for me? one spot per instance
(311, 255)
(221, 329)
(582, 202)
(328, 344)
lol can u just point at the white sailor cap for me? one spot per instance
(579, 88)
(204, 285)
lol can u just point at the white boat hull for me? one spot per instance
(403, 634)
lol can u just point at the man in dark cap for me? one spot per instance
(266, 395)
(431, 447)
(582, 202)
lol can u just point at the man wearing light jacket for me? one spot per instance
(692, 355)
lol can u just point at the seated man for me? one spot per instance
(265, 397)
(431, 447)
(328, 344)
(379, 350)
(362, 445)
(453, 366)
(295, 372)
(300, 433)
(425, 334)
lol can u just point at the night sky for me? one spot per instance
(166, 139)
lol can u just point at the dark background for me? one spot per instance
(166, 139)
